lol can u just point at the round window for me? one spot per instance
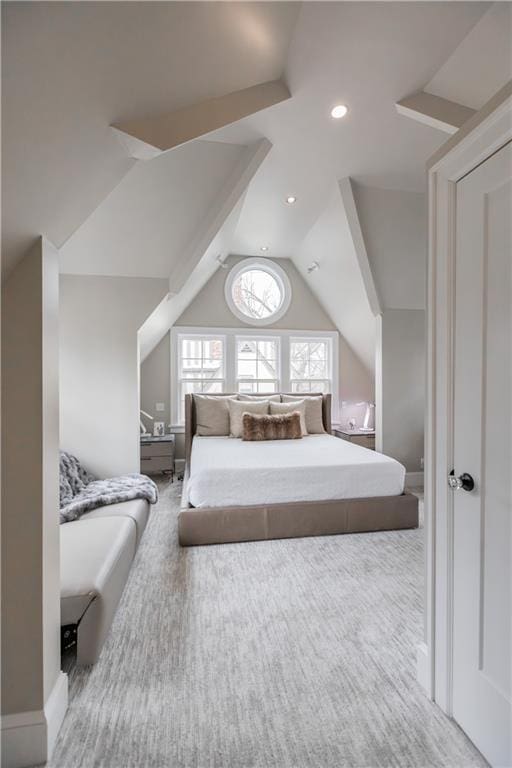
(258, 291)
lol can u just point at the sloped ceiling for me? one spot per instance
(394, 227)
(365, 55)
(72, 69)
(167, 199)
(168, 311)
(338, 283)
(481, 64)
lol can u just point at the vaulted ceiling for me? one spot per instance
(365, 55)
(167, 198)
(71, 70)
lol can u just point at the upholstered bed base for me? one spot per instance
(223, 525)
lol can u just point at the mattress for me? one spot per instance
(225, 471)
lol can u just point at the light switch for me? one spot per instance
(159, 407)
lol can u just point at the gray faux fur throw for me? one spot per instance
(81, 492)
(284, 426)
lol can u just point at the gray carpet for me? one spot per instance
(283, 654)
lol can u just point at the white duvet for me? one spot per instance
(225, 471)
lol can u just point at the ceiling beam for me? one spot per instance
(147, 138)
(447, 116)
(354, 225)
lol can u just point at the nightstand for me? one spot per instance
(366, 439)
(157, 454)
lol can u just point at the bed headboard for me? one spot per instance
(190, 414)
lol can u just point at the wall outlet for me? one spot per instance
(422, 463)
(159, 407)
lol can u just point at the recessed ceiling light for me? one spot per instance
(291, 199)
(264, 248)
(340, 110)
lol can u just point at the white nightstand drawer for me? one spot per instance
(155, 464)
(156, 449)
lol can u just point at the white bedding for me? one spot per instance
(226, 471)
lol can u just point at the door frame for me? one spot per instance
(483, 135)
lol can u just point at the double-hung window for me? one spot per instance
(257, 364)
(200, 366)
(251, 362)
(311, 365)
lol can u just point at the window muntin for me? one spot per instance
(258, 291)
(201, 366)
(311, 385)
(217, 361)
(257, 364)
(311, 365)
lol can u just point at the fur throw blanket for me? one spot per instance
(81, 492)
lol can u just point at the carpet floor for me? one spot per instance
(282, 654)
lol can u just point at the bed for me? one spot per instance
(248, 491)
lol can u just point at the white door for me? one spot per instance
(482, 615)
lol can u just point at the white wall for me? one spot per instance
(99, 367)
(30, 502)
(154, 382)
(209, 308)
(394, 227)
(357, 383)
(400, 403)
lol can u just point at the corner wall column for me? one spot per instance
(34, 690)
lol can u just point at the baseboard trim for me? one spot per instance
(179, 466)
(423, 668)
(28, 738)
(24, 739)
(414, 480)
(55, 710)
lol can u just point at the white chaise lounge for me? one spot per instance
(97, 552)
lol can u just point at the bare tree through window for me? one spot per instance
(257, 294)
(310, 365)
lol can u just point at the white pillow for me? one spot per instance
(297, 405)
(314, 413)
(212, 415)
(237, 408)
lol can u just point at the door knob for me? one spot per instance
(464, 482)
